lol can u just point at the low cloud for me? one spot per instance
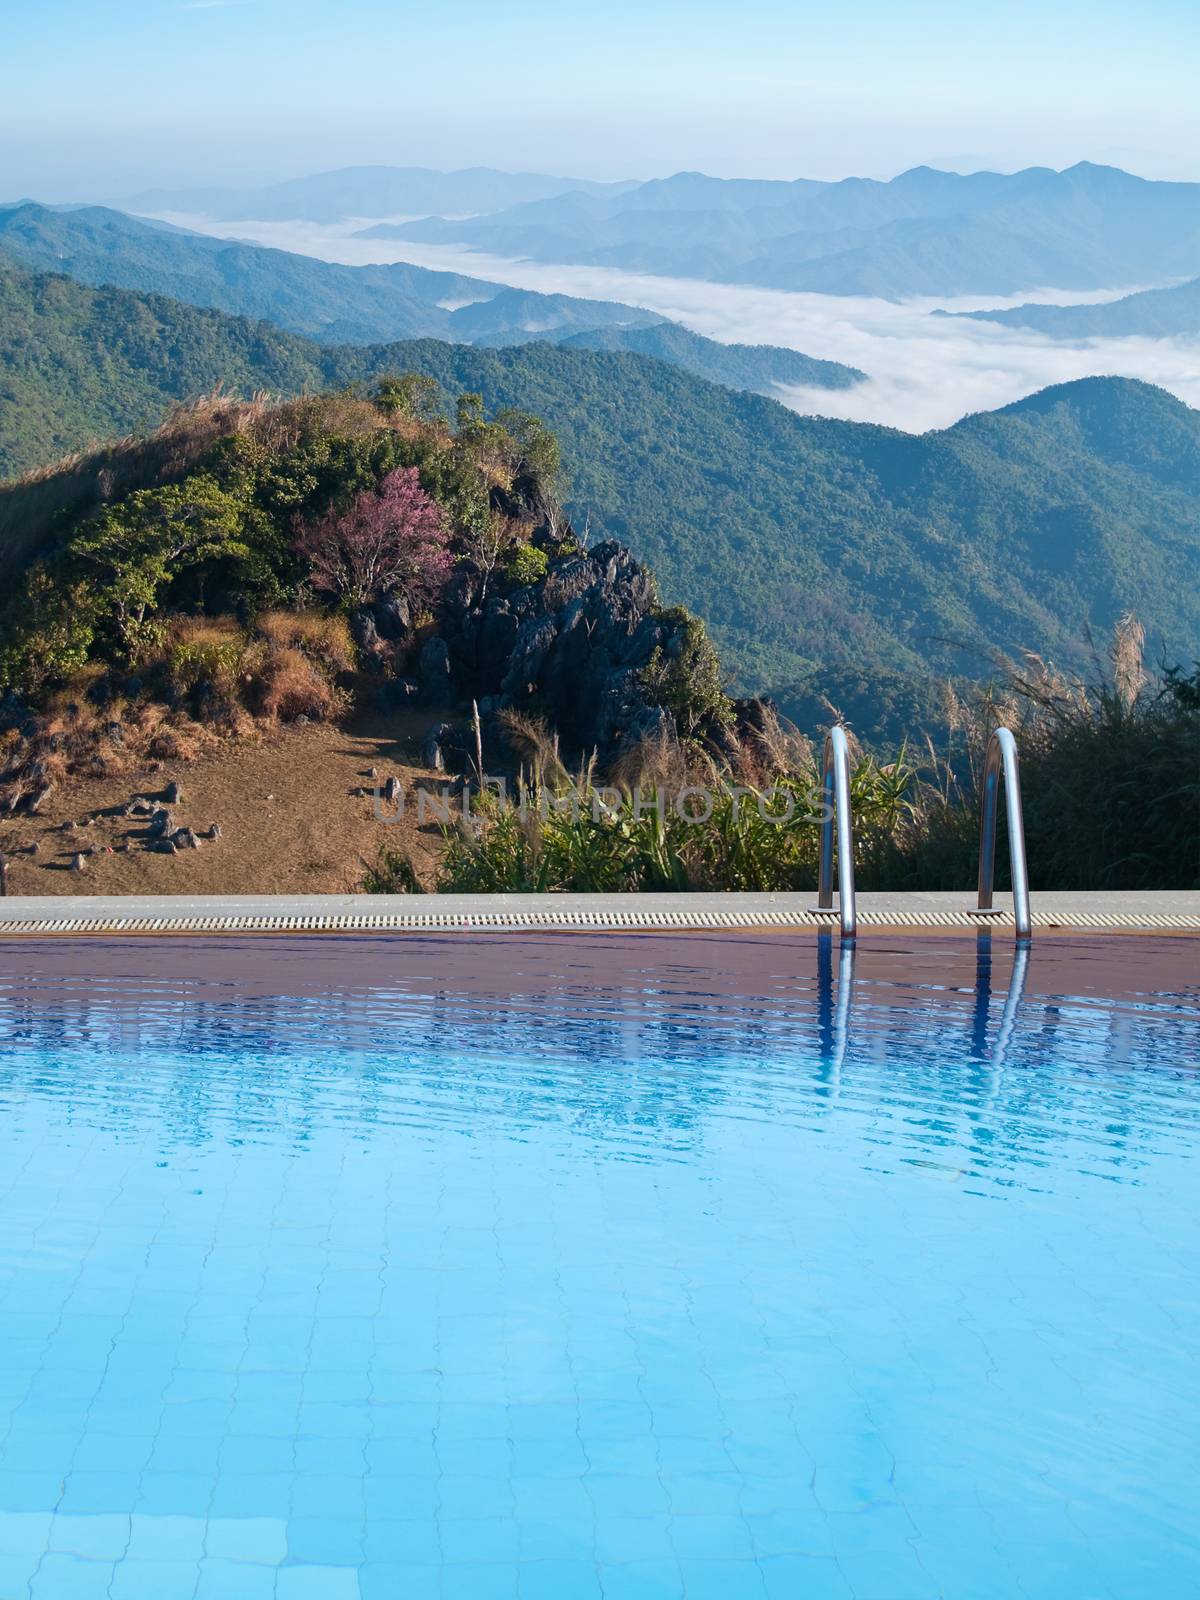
(923, 371)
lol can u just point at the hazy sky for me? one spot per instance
(104, 96)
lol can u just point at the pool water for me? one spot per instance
(574, 1266)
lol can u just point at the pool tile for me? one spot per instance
(642, 1580)
(803, 1577)
(560, 1540)
(325, 1541)
(260, 1540)
(719, 1579)
(153, 1580)
(68, 1577)
(220, 1579)
(413, 1542)
(317, 1583)
(166, 1539)
(577, 1318)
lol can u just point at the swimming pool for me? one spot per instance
(563, 1266)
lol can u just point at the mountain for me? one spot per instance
(758, 367)
(351, 305)
(326, 301)
(805, 542)
(922, 233)
(367, 192)
(1149, 314)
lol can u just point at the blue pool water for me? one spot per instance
(566, 1267)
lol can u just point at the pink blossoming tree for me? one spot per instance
(395, 538)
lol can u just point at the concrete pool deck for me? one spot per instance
(1092, 911)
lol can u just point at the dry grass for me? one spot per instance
(320, 635)
(291, 685)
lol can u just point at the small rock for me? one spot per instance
(302, 721)
(161, 824)
(163, 847)
(33, 849)
(78, 863)
(185, 839)
(213, 831)
(173, 795)
(391, 788)
(373, 773)
(431, 750)
(69, 827)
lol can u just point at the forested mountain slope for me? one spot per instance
(804, 541)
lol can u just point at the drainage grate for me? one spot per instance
(569, 917)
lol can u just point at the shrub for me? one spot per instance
(649, 837)
(394, 538)
(204, 650)
(686, 678)
(392, 872)
(527, 564)
(290, 684)
(321, 635)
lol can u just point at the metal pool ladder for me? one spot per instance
(835, 797)
(1001, 759)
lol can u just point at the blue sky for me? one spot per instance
(102, 96)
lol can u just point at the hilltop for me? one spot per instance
(812, 546)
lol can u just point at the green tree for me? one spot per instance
(132, 552)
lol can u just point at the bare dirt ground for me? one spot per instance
(292, 821)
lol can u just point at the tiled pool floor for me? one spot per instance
(564, 1267)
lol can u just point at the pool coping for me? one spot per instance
(1091, 910)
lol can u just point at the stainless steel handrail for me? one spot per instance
(835, 797)
(1002, 759)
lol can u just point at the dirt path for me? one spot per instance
(291, 820)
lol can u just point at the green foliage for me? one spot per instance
(715, 834)
(759, 367)
(688, 680)
(392, 872)
(535, 451)
(1111, 784)
(410, 396)
(204, 655)
(133, 551)
(526, 564)
(46, 632)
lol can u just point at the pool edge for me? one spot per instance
(1093, 911)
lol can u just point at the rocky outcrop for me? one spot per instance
(570, 648)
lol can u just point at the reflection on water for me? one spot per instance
(584, 1267)
(637, 1064)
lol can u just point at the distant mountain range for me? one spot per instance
(821, 551)
(369, 192)
(361, 305)
(757, 367)
(923, 233)
(1149, 314)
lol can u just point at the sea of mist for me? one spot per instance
(924, 371)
